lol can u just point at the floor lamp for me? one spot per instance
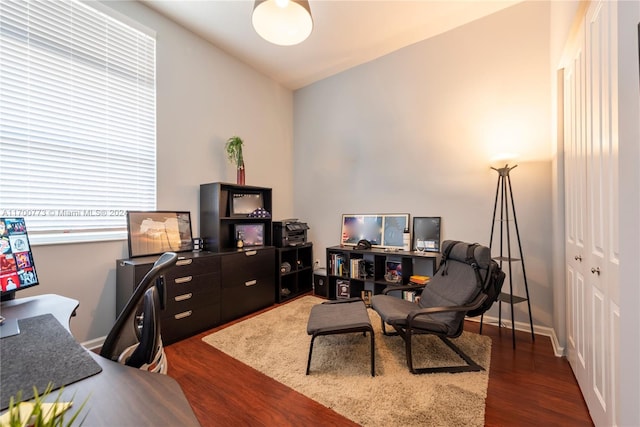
(507, 220)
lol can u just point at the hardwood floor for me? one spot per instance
(528, 386)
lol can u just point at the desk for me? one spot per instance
(119, 395)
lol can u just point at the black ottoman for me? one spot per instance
(340, 317)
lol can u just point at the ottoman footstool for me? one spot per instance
(340, 317)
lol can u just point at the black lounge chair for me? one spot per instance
(454, 290)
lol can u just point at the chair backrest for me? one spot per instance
(150, 339)
(125, 331)
(455, 283)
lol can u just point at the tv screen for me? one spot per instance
(17, 269)
(426, 234)
(359, 227)
(251, 234)
(242, 204)
(156, 232)
(382, 230)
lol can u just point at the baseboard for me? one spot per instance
(94, 344)
(546, 331)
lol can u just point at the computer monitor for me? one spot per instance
(17, 269)
(427, 231)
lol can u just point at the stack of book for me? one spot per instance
(419, 280)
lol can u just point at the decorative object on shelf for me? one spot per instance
(282, 22)
(504, 193)
(259, 213)
(233, 147)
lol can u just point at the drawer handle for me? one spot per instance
(183, 297)
(250, 283)
(183, 315)
(250, 253)
(184, 262)
(185, 279)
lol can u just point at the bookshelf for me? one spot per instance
(351, 271)
(298, 277)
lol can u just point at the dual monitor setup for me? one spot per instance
(388, 231)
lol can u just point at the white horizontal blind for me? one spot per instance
(77, 117)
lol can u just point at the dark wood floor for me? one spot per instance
(528, 386)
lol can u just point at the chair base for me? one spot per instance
(471, 365)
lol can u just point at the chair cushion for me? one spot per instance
(394, 312)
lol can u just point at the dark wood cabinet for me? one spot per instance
(247, 282)
(204, 289)
(294, 271)
(192, 292)
(356, 270)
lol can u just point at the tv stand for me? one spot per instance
(376, 264)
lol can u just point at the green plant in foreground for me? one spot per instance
(38, 413)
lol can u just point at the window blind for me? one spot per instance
(77, 117)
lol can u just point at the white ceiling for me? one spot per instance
(346, 33)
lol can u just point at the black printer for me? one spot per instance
(289, 232)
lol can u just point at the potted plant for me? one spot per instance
(233, 147)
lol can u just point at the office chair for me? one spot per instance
(135, 338)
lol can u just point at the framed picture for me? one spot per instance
(250, 234)
(156, 232)
(426, 233)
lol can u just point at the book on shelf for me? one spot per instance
(338, 266)
(358, 269)
(412, 296)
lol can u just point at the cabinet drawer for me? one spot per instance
(194, 284)
(188, 301)
(249, 297)
(193, 267)
(238, 270)
(189, 322)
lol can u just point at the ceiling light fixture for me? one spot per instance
(282, 22)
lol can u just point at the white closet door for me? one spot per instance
(576, 211)
(592, 249)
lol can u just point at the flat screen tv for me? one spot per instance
(17, 269)
(381, 230)
(156, 232)
(242, 204)
(426, 233)
(250, 234)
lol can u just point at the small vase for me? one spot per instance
(240, 174)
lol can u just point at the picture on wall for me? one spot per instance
(156, 232)
(381, 230)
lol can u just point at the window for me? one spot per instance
(77, 118)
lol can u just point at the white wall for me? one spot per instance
(204, 96)
(414, 131)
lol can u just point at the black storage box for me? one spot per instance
(320, 287)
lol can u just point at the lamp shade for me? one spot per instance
(282, 22)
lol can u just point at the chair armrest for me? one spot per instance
(477, 302)
(392, 288)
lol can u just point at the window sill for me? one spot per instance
(76, 237)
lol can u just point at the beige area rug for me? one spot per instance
(276, 343)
